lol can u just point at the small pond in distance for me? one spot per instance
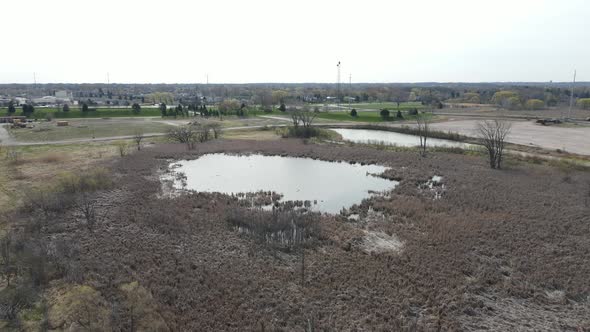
(368, 136)
(334, 185)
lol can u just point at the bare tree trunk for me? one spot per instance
(493, 136)
(138, 137)
(423, 132)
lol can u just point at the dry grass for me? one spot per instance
(465, 256)
(251, 134)
(40, 165)
(52, 157)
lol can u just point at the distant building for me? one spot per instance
(20, 101)
(45, 101)
(64, 94)
(60, 98)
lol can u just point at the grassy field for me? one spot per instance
(49, 131)
(390, 106)
(362, 117)
(40, 164)
(41, 113)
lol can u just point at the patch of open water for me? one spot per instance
(331, 186)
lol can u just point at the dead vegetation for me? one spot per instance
(285, 228)
(470, 260)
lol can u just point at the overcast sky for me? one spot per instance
(176, 41)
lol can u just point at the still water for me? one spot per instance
(367, 136)
(334, 185)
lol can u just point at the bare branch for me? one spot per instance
(423, 125)
(493, 136)
(138, 137)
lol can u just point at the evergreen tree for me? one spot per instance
(11, 108)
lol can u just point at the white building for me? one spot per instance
(64, 94)
(20, 101)
(44, 101)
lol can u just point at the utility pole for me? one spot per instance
(108, 89)
(338, 94)
(569, 114)
(349, 88)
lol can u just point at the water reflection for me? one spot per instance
(331, 186)
(368, 136)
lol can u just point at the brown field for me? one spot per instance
(501, 250)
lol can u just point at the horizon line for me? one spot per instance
(335, 83)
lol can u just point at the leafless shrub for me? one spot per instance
(493, 135)
(48, 201)
(303, 117)
(216, 128)
(188, 135)
(122, 148)
(70, 190)
(294, 113)
(14, 299)
(63, 255)
(92, 180)
(138, 137)
(307, 118)
(13, 155)
(86, 205)
(203, 133)
(423, 124)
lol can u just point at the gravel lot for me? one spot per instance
(572, 139)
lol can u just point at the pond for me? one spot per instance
(330, 186)
(368, 136)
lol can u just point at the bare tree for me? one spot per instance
(188, 135)
(203, 132)
(216, 127)
(294, 113)
(302, 117)
(306, 118)
(493, 135)
(138, 137)
(423, 126)
(87, 206)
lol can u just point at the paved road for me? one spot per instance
(281, 118)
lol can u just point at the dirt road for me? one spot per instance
(571, 139)
(5, 137)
